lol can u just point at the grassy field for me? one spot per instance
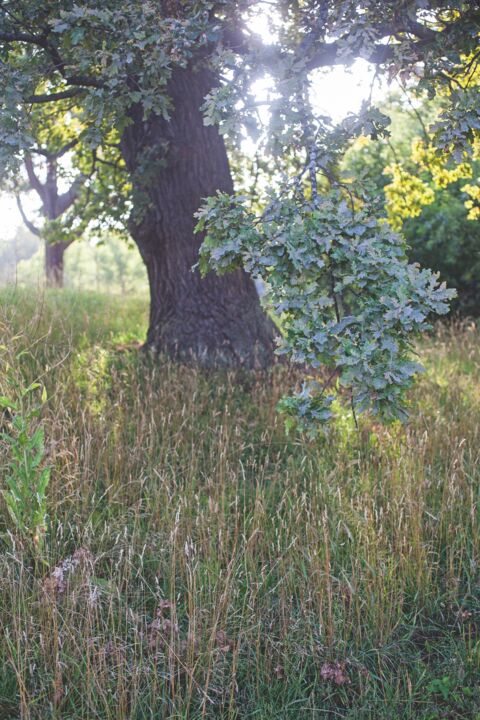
(199, 563)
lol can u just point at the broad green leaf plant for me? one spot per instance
(26, 478)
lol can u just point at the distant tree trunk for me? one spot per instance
(217, 320)
(54, 253)
(53, 207)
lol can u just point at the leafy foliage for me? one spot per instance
(459, 125)
(443, 236)
(425, 196)
(433, 199)
(339, 280)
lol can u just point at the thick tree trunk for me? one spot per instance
(217, 320)
(54, 253)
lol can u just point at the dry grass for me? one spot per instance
(201, 564)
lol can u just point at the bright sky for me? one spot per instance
(10, 217)
(340, 91)
(337, 92)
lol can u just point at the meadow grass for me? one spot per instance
(200, 563)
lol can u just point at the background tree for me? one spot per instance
(75, 184)
(105, 263)
(49, 170)
(54, 205)
(434, 197)
(426, 197)
(431, 201)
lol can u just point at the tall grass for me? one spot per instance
(199, 563)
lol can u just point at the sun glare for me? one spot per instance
(341, 90)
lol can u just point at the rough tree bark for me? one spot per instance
(216, 321)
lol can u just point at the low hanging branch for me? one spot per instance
(339, 279)
(316, 256)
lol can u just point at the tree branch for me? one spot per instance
(34, 230)
(67, 199)
(66, 148)
(325, 54)
(59, 64)
(33, 179)
(84, 81)
(21, 37)
(55, 155)
(330, 54)
(52, 97)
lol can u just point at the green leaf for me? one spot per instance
(7, 403)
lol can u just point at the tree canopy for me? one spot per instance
(336, 274)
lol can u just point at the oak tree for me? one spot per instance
(175, 79)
